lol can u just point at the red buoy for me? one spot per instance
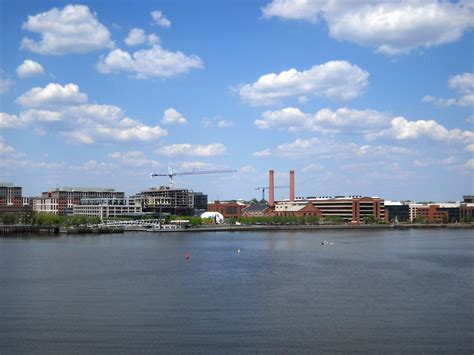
(187, 255)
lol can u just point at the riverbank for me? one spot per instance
(253, 228)
(25, 230)
(17, 230)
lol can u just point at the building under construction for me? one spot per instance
(170, 200)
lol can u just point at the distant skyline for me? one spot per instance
(359, 98)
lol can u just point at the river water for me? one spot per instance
(369, 291)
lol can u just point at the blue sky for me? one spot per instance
(369, 97)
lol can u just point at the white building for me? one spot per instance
(106, 208)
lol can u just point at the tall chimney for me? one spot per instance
(292, 186)
(271, 189)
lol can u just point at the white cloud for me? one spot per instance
(6, 149)
(133, 158)
(29, 68)
(422, 163)
(469, 164)
(93, 167)
(402, 129)
(9, 121)
(160, 19)
(65, 110)
(192, 150)
(149, 63)
(135, 37)
(466, 101)
(345, 117)
(286, 117)
(324, 120)
(469, 148)
(392, 27)
(74, 29)
(334, 80)
(224, 124)
(313, 168)
(307, 10)
(216, 122)
(463, 84)
(331, 149)
(440, 102)
(263, 153)
(153, 39)
(171, 116)
(52, 95)
(5, 82)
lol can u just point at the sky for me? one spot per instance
(366, 97)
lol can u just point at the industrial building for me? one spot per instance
(106, 208)
(62, 200)
(355, 209)
(258, 209)
(170, 200)
(227, 208)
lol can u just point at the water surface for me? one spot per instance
(370, 291)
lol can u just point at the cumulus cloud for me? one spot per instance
(74, 29)
(154, 62)
(5, 82)
(135, 37)
(171, 116)
(65, 110)
(29, 68)
(9, 121)
(391, 27)
(463, 84)
(133, 158)
(334, 80)
(160, 19)
(52, 95)
(325, 120)
(402, 129)
(192, 150)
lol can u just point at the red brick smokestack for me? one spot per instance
(292, 186)
(271, 189)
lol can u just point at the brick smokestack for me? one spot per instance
(292, 186)
(271, 189)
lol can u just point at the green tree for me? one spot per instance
(8, 218)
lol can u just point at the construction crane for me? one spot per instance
(263, 188)
(171, 173)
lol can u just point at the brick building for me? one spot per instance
(227, 208)
(62, 200)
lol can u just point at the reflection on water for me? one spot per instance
(370, 291)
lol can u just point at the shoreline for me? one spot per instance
(21, 231)
(256, 228)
